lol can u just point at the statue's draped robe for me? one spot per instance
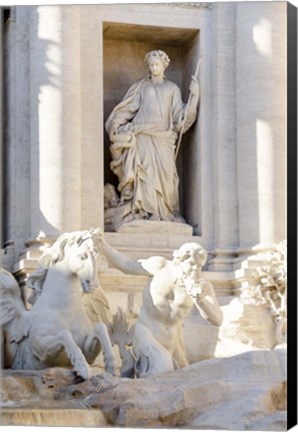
(151, 116)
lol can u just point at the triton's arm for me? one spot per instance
(204, 298)
(122, 262)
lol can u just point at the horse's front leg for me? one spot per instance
(99, 339)
(50, 346)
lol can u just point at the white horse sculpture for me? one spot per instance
(57, 330)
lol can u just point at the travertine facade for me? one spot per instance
(66, 68)
(64, 72)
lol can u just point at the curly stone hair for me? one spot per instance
(55, 253)
(160, 55)
(191, 257)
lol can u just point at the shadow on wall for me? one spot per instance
(55, 104)
(45, 75)
(261, 110)
(270, 130)
(26, 73)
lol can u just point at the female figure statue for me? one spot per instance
(143, 129)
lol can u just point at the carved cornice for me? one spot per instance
(189, 5)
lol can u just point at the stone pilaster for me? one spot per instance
(16, 167)
(224, 118)
(92, 158)
(261, 123)
(55, 120)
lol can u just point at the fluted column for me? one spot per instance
(261, 123)
(226, 206)
(55, 120)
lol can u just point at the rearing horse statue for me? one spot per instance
(57, 330)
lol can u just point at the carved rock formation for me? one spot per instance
(247, 391)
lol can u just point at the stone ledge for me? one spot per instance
(52, 417)
(150, 240)
(138, 227)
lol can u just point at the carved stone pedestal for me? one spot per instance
(138, 227)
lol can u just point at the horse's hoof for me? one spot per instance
(127, 373)
(112, 370)
(78, 378)
(84, 372)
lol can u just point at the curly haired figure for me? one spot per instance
(173, 287)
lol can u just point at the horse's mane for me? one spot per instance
(52, 255)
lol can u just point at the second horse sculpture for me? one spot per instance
(57, 330)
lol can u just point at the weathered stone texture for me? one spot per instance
(247, 391)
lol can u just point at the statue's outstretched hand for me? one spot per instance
(196, 290)
(194, 87)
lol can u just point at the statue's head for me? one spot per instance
(158, 60)
(81, 250)
(192, 254)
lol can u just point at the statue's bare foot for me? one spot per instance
(129, 218)
(154, 217)
(143, 214)
(127, 193)
(178, 218)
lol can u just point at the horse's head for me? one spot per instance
(81, 253)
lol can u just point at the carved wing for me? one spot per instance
(97, 306)
(120, 330)
(13, 312)
(121, 333)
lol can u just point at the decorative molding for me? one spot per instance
(190, 5)
(269, 288)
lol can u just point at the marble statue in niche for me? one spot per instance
(143, 129)
(173, 287)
